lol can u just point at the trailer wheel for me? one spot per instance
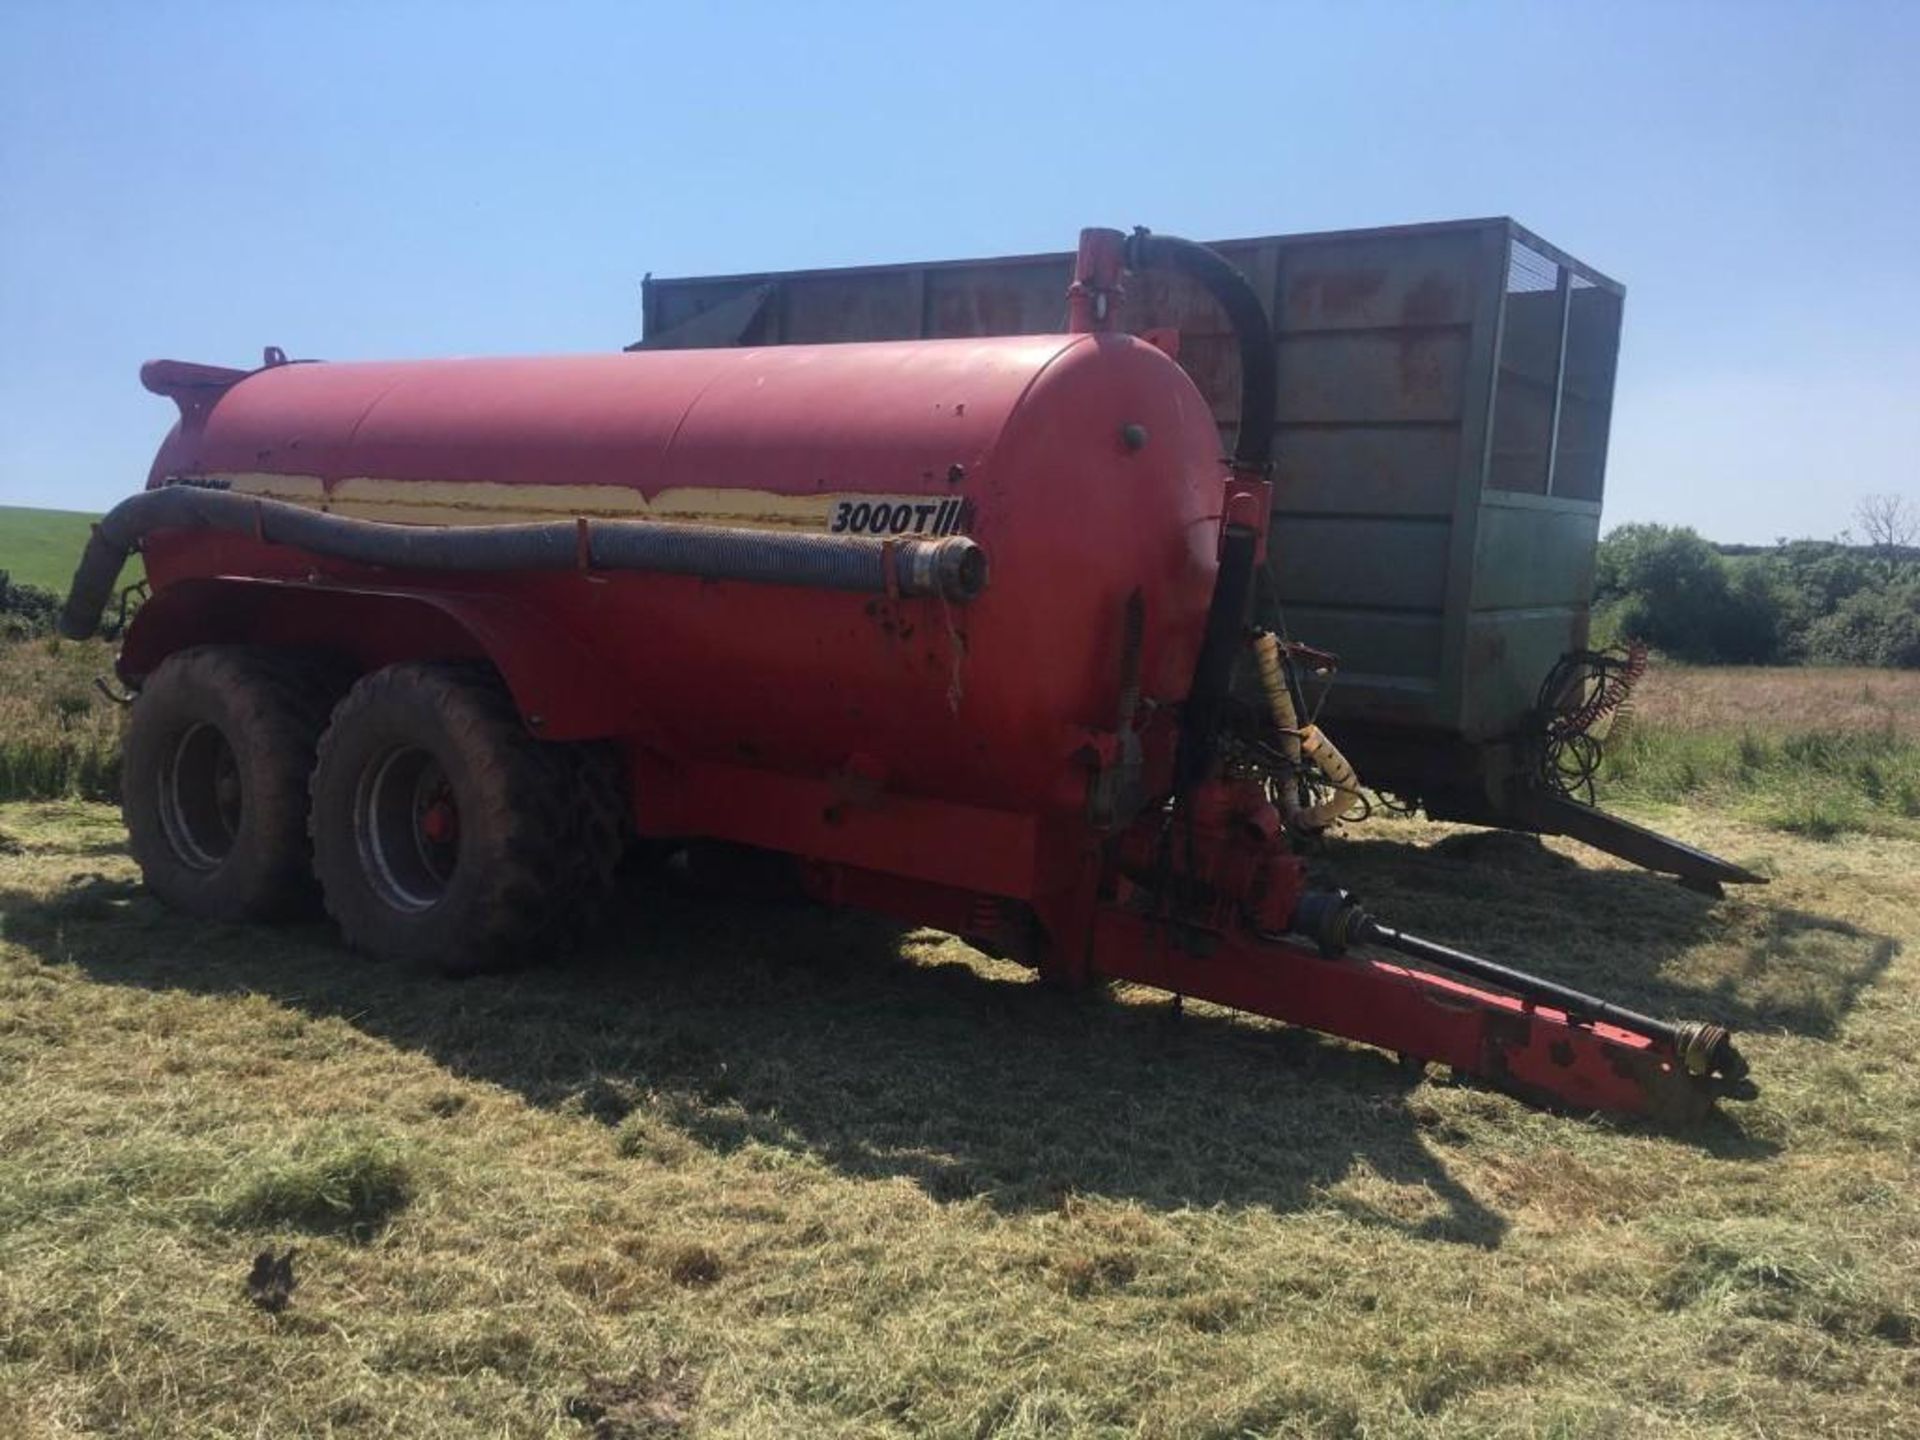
(445, 834)
(218, 750)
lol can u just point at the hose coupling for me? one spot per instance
(1332, 919)
(1707, 1049)
(955, 568)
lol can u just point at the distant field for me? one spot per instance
(41, 547)
(1812, 751)
(1771, 700)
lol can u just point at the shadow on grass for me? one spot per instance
(735, 1024)
(801, 1030)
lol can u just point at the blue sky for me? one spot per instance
(355, 180)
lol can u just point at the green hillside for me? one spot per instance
(41, 547)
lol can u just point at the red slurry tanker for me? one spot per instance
(971, 630)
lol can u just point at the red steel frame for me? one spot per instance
(1097, 923)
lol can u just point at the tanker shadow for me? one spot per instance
(882, 1052)
(1640, 939)
(889, 1053)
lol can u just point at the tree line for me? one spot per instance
(1800, 602)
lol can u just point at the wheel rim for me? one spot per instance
(201, 798)
(406, 824)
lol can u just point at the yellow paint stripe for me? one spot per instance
(458, 502)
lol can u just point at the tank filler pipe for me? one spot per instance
(954, 567)
(1099, 275)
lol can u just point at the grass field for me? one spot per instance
(748, 1171)
(59, 735)
(1816, 752)
(41, 547)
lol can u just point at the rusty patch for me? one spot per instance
(1508, 1028)
(957, 648)
(1432, 302)
(1332, 294)
(861, 783)
(1501, 1031)
(1673, 1097)
(1423, 369)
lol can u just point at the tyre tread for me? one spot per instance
(558, 819)
(283, 698)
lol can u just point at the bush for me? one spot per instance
(25, 610)
(1672, 589)
(1870, 627)
(1806, 601)
(59, 736)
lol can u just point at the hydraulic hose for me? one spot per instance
(1346, 800)
(1259, 364)
(1273, 680)
(953, 567)
(1303, 741)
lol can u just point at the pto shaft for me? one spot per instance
(1336, 921)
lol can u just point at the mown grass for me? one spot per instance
(751, 1171)
(343, 1182)
(1814, 752)
(760, 1171)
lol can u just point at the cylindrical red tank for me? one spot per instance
(1086, 466)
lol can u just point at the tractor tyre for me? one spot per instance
(446, 835)
(218, 751)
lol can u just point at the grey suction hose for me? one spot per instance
(1259, 364)
(953, 567)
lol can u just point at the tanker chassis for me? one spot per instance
(976, 632)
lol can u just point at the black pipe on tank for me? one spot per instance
(1252, 454)
(1204, 712)
(954, 567)
(1259, 364)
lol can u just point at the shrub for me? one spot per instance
(1805, 600)
(1870, 627)
(25, 610)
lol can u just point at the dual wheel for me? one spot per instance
(413, 804)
